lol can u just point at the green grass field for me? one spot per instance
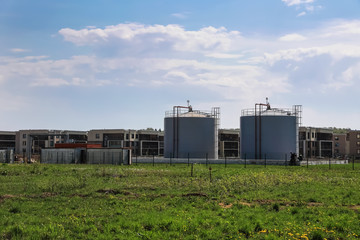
(39, 201)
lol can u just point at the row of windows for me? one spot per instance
(97, 136)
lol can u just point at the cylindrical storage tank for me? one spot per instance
(269, 134)
(191, 134)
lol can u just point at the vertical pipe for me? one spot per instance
(177, 133)
(255, 132)
(260, 131)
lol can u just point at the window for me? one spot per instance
(312, 135)
(137, 136)
(336, 138)
(132, 136)
(127, 136)
(358, 144)
(358, 136)
(358, 151)
(97, 136)
(24, 143)
(24, 135)
(336, 144)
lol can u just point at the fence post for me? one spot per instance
(329, 163)
(188, 159)
(210, 173)
(170, 159)
(353, 163)
(307, 162)
(136, 156)
(286, 160)
(206, 159)
(192, 169)
(225, 161)
(153, 160)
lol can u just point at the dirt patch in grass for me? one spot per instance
(225, 206)
(117, 192)
(355, 208)
(109, 191)
(245, 204)
(6, 196)
(314, 204)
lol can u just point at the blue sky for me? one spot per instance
(121, 64)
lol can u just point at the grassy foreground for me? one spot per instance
(40, 201)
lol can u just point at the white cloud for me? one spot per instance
(181, 15)
(19, 50)
(217, 60)
(301, 14)
(297, 2)
(205, 39)
(224, 55)
(346, 79)
(292, 37)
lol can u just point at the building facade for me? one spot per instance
(229, 143)
(7, 139)
(341, 145)
(354, 143)
(316, 142)
(34, 140)
(142, 142)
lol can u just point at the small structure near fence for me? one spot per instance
(116, 156)
(7, 155)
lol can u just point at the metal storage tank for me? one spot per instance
(270, 133)
(191, 133)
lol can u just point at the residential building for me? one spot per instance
(354, 143)
(341, 145)
(315, 142)
(7, 139)
(229, 142)
(34, 140)
(142, 142)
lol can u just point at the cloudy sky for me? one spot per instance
(85, 65)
